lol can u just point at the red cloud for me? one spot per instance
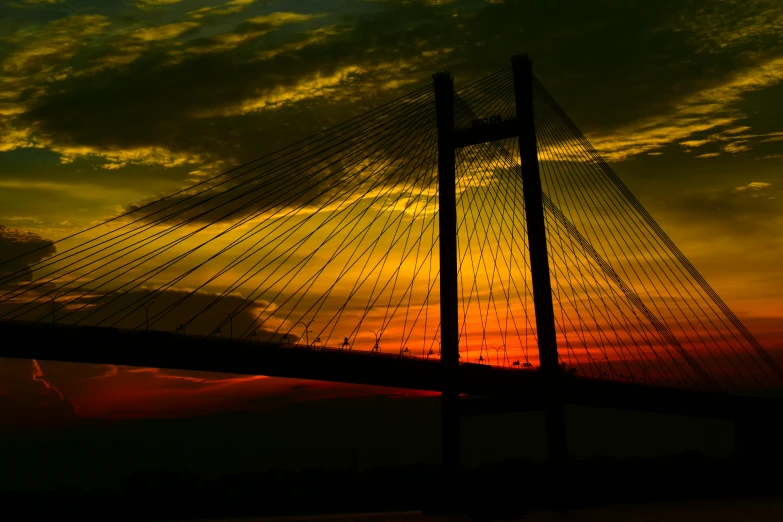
(27, 400)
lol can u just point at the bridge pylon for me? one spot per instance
(521, 127)
(449, 290)
(532, 194)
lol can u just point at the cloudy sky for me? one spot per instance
(104, 105)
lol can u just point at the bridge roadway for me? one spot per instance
(491, 389)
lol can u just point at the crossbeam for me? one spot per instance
(486, 133)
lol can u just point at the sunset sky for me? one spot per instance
(105, 105)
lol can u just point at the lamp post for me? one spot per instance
(307, 332)
(52, 298)
(231, 324)
(147, 313)
(377, 347)
(600, 373)
(497, 354)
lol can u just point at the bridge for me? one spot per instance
(326, 260)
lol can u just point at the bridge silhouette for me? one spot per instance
(326, 260)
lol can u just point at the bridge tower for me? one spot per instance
(449, 139)
(449, 290)
(522, 68)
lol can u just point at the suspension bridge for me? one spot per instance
(469, 241)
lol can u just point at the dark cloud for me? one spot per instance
(170, 309)
(255, 95)
(19, 250)
(258, 94)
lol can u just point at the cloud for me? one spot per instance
(43, 50)
(652, 134)
(732, 24)
(163, 32)
(27, 400)
(707, 109)
(150, 4)
(231, 7)
(19, 250)
(311, 37)
(695, 143)
(219, 43)
(755, 185)
(198, 312)
(708, 155)
(736, 130)
(331, 86)
(280, 18)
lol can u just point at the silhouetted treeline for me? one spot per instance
(516, 482)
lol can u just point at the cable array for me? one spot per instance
(650, 315)
(334, 241)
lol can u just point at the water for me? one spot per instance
(727, 510)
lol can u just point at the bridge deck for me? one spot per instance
(506, 389)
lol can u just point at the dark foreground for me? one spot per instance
(766, 509)
(515, 486)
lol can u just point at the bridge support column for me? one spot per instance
(449, 306)
(557, 447)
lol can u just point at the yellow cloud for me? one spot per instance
(737, 146)
(39, 57)
(736, 130)
(58, 41)
(695, 143)
(709, 155)
(234, 6)
(163, 32)
(223, 42)
(138, 156)
(10, 109)
(312, 37)
(281, 18)
(765, 75)
(14, 138)
(717, 28)
(688, 118)
(113, 166)
(755, 185)
(315, 86)
(652, 134)
(147, 4)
